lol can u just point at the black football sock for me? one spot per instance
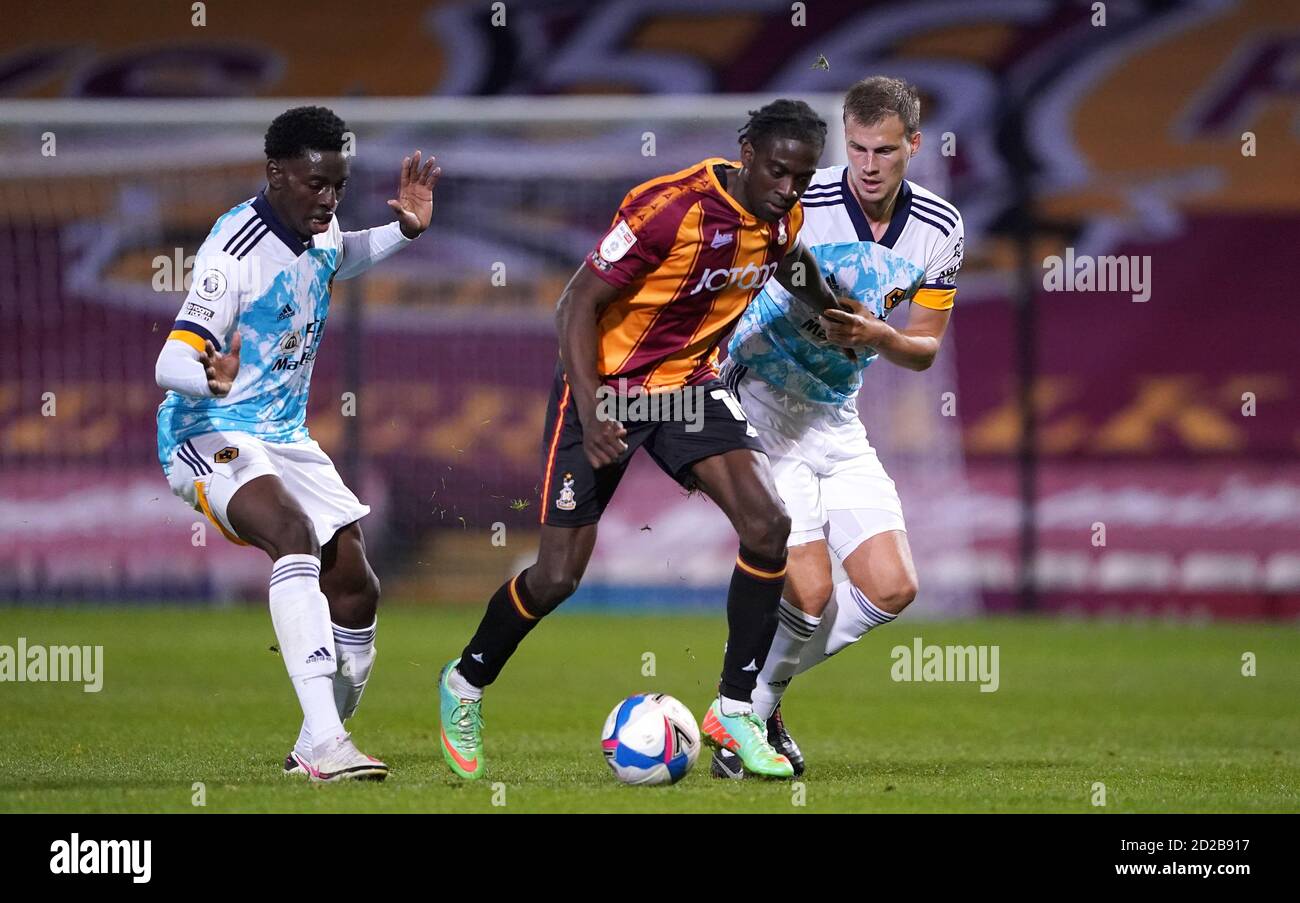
(508, 619)
(755, 592)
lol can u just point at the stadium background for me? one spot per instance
(1125, 139)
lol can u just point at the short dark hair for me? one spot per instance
(784, 119)
(875, 98)
(296, 131)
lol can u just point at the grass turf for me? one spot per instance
(1159, 713)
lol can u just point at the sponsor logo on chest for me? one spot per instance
(745, 278)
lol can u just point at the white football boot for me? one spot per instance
(340, 760)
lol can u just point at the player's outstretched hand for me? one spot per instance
(603, 442)
(414, 202)
(852, 330)
(221, 368)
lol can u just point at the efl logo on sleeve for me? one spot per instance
(617, 243)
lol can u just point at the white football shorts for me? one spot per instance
(830, 478)
(208, 469)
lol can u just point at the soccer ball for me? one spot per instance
(650, 738)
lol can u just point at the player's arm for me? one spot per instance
(576, 315)
(201, 355)
(414, 208)
(915, 347)
(203, 374)
(799, 274)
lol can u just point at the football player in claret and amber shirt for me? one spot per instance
(646, 311)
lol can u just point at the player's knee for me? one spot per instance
(292, 534)
(809, 596)
(355, 607)
(548, 587)
(897, 595)
(767, 534)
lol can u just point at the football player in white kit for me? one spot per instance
(232, 433)
(881, 240)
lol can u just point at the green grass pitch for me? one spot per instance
(1161, 714)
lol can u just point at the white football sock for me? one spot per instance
(301, 617)
(732, 707)
(462, 687)
(355, 650)
(793, 630)
(848, 618)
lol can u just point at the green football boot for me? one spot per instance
(746, 736)
(461, 729)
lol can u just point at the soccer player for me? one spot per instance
(884, 240)
(684, 256)
(232, 434)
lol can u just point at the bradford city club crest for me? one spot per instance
(566, 500)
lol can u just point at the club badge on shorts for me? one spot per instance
(566, 501)
(226, 455)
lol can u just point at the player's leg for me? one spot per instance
(352, 589)
(740, 482)
(573, 497)
(882, 582)
(512, 613)
(521, 602)
(866, 531)
(808, 589)
(264, 514)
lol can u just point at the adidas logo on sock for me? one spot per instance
(478, 657)
(752, 666)
(320, 655)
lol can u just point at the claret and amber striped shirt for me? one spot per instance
(690, 259)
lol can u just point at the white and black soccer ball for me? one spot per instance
(650, 738)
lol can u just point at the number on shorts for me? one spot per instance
(734, 406)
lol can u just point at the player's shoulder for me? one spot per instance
(664, 201)
(691, 182)
(249, 229)
(826, 181)
(232, 224)
(932, 210)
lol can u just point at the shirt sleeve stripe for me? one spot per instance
(188, 338)
(934, 298)
(200, 331)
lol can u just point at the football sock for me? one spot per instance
(734, 706)
(508, 619)
(300, 615)
(355, 650)
(848, 617)
(463, 688)
(793, 630)
(755, 591)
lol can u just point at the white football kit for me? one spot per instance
(800, 391)
(254, 275)
(255, 278)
